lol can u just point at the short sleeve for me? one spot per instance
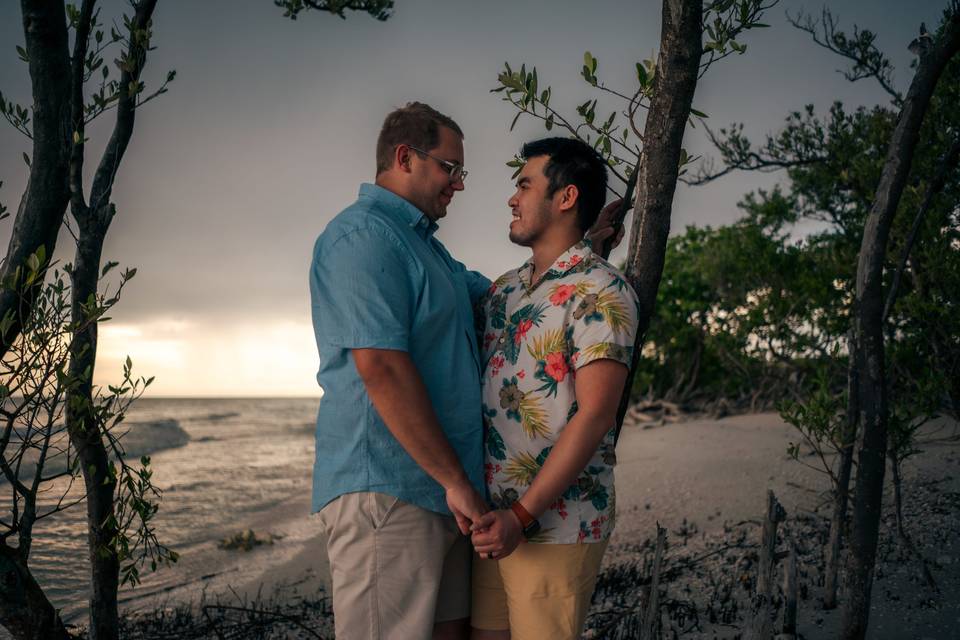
(604, 323)
(478, 284)
(361, 291)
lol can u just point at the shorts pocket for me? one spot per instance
(381, 506)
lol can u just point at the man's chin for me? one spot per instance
(519, 239)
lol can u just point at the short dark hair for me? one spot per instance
(415, 124)
(573, 162)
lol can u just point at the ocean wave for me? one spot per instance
(302, 428)
(217, 417)
(142, 438)
(136, 438)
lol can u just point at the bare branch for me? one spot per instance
(379, 9)
(133, 63)
(868, 60)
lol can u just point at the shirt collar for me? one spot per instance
(403, 209)
(569, 259)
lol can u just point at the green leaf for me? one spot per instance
(642, 76)
(699, 114)
(515, 118)
(26, 158)
(23, 54)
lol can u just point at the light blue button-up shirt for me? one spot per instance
(381, 280)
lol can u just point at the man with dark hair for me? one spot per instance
(558, 339)
(399, 434)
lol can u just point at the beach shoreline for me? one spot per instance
(702, 479)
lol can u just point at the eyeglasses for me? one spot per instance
(455, 169)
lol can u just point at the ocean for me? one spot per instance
(220, 463)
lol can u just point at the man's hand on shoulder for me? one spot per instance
(466, 505)
(604, 228)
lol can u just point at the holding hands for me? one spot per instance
(496, 534)
(466, 505)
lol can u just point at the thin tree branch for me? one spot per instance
(76, 98)
(868, 61)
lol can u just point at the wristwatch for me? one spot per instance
(529, 524)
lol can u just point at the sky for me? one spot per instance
(270, 127)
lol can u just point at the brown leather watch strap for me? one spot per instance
(522, 514)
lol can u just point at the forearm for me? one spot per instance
(400, 397)
(569, 457)
(598, 388)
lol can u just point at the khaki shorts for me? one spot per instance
(538, 591)
(397, 569)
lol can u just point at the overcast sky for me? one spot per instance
(271, 125)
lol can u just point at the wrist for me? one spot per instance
(522, 514)
(457, 483)
(514, 518)
(529, 525)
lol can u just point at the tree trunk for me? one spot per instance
(24, 609)
(841, 491)
(93, 221)
(85, 433)
(44, 201)
(675, 81)
(897, 494)
(868, 330)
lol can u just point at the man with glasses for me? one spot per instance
(399, 452)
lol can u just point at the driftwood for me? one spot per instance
(789, 631)
(761, 624)
(651, 617)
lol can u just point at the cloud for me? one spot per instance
(207, 357)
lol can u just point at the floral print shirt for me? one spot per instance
(535, 337)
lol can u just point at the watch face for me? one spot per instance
(531, 529)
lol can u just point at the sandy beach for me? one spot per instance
(701, 479)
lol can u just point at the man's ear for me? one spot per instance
(401, 158)
(569, 196)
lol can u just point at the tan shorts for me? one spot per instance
(538, 591)
(397, 569)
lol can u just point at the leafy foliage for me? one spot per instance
(616, 133)
(379, 9)
(37, 458)
(762, 306)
